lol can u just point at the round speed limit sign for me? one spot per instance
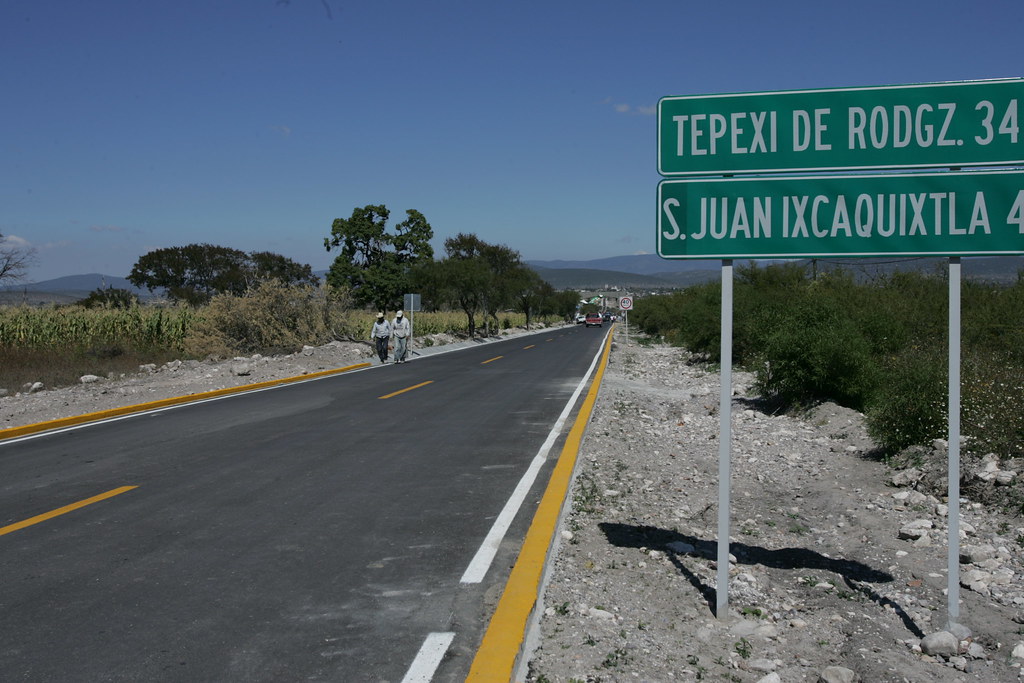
(626, 303)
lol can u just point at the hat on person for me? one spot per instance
(380, 314)
(398, 314)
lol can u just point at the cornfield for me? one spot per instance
(143, 327)
(73, 327)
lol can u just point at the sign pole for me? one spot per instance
(724, 443)
(953, 559)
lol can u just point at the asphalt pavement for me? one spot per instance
(313, 531)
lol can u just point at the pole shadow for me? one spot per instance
(856, 575)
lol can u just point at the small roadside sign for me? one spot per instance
(625, 303)
(412, 302)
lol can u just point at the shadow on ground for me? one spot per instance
(856, 575)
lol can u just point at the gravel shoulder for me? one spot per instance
(837, 574)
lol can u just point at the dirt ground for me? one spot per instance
(838, 562)
(836, 573)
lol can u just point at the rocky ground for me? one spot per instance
(838, 562)
(838, 568)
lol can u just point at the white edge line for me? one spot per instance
(481, 561)
(183, 404)
(428, 658)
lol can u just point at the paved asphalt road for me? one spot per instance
(314, 531)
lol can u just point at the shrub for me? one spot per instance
(270, 318)
(992, 403)
(812, 351)
(911, 406)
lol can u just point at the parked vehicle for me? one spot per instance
(580, 318)
(594, 319)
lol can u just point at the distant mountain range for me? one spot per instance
(65, 290)
(636, 273)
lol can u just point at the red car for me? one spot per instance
(594, 319)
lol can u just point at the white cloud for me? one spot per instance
(59, 244)
(285, 131)
(15, 241)
(624, 108)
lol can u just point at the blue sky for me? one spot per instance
(129, 126)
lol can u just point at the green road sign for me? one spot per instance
(920, 214)
(971, 123)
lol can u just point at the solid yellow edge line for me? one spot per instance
(490, 360)
(402, 391)
(13, 432)
(502, 643)
(67, 508)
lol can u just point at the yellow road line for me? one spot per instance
(491, 359)
(502, 643)
(67, 508)
(529, 347)
(402, 391)
(12, 432)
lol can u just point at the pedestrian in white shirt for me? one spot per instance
(381, 334)
(401, 328)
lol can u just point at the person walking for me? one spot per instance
(401, 328)
(381, 334)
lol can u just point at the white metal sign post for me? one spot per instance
(953, 488)
(626, 304)
(724, 443)
(930, 125)
(411, 303)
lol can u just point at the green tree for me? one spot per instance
(374, 263)
(533, 294)
(562, 303)
(455, 282)
(110, 297)
(266, 265)
(195, 272)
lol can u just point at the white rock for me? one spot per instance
(1018, 651)
(241, 369)
(761, 664)
(973, 554)
(1005, 477)
(89, 379)
(837, 674)
(940, 643)
(976, 651)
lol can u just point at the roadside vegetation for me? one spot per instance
(56, 345)
(879, 347)
(218, 302)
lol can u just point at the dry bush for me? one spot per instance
(269, 318)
